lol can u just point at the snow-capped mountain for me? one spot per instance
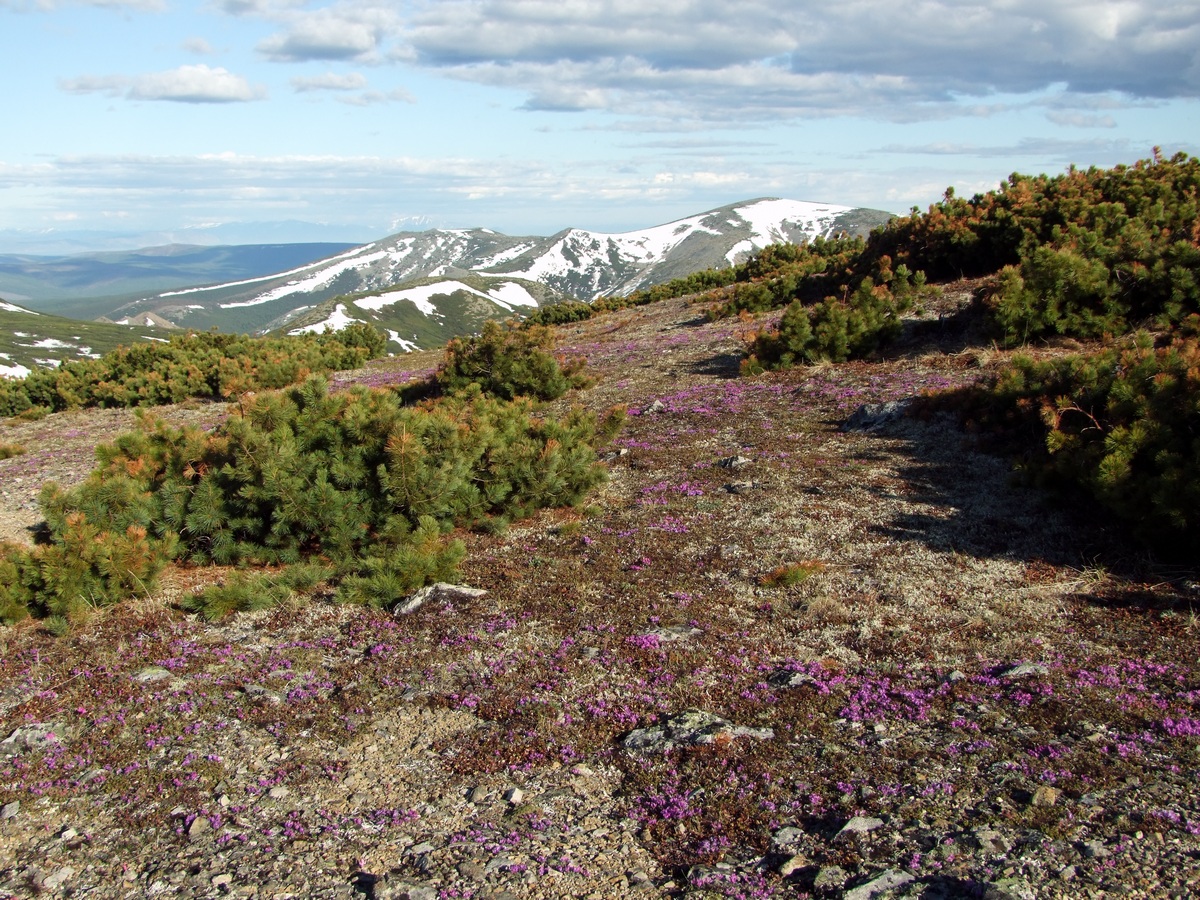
(481, 268)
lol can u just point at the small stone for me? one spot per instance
(10, 810)
(261, 694)
(1009, 889)
(278, 792)
(477, 794)
(514, 795)
(1067, 873)
(786, 678)
(222, 880)
(472, 870)
(881, 884)
(792, 865)
(1024, 671)
(152, 674)
(199, 827)
(421, 849)
(860, 825)
(1046, 795)
(441, 592)
(55, 881)
(1095, 850)
(786, 837)
(67, 833)
(872, 417)
(656, 407)
(733, 462)
(991, 841)
(830, 877)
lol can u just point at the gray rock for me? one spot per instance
(692, 726)
(792, 865)
(151, 674)
(200, 826)
(881, 884)
(387, 889)
(421, 849)
(873, 417)
(35, 736)
(10, 810)
(830, 877)
(55, 881)
(260, 694)
(786, 837)
(1009, 889)
(477, 794)
(859, 825)
(1024, 671)
(438, 593)
(672, 633)
(991, 841)
(786, 678)
(656, 407)
(733, 462)
(472, 870)
(744, 487)
(1095, 850)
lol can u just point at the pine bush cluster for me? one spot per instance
(196, 365)
(836, 329)
(356, 487)
(1122, 425)
(509, 362)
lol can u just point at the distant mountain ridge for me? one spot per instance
(424, 287)
(573, 263)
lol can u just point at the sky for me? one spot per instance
(276, 120)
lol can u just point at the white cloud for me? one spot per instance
(1081, 120)
(371, 98)
(186, 84)
(337, 33)
(330, 81)
(199, 46)
(762, 59)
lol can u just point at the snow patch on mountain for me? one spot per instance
(9, 307)
(338, 319)
(509, 294)
(765, 218)
(230, 284)
(506, 295)
(317, 280)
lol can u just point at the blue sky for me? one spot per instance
(155, 120)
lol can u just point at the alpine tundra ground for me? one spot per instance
(785, 651)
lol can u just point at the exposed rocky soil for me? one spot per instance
(777, 656)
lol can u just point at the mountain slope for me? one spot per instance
(31, 340)
(574, 262)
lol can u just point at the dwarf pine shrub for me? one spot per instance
(1122, 425)
(508, 363)
(836, 330)
(201, 365)
(354, 481)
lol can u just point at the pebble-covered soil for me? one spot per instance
(786, 651)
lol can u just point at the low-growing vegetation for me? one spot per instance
(196, 365)
(355, 481)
